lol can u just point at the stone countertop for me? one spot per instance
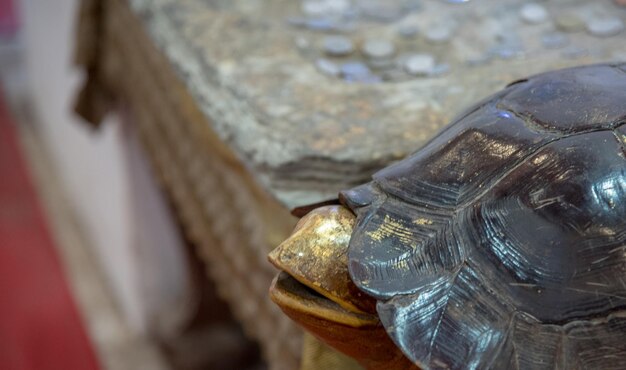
(304, 134)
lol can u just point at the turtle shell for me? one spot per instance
(502, 242)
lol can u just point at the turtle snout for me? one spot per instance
(316, 256)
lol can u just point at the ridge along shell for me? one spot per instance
(502, 242)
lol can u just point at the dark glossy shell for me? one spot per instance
(502, 242)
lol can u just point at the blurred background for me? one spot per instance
(94, 271)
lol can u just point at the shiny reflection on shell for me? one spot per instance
(501, 243)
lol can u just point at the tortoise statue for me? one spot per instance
(501, 244)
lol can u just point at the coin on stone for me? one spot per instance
(605, 27)
(378, 49)
(316, 24)
(366, 79)
(381, 11)
(337, 46)
(314, 7)
(569, 23)
(440, 69)
(337, 6)
(419, 64)
(533, 13)
(438, 34)
(354, 69)
(408, 30)
(324, 7)
(327, 67)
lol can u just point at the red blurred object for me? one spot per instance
(9, 22)
(40, 328)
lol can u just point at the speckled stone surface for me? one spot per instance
(305, 135)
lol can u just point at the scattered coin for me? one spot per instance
(380, 11)
(569, 23)
(438, 34)
(554, 40)
(314, 8)
(323, 24)
(354, 70)
(367, 79)
(408, 31)
(358, 72)
(378, 49)
(337, 6)
(327, 67)
(324, 7)
(381, 59)
(419, 64)
(337, 46)
(317, 24)
(605, 27)
(440, 69)
(533, 13)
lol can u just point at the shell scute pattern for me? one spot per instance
(580, 99)
(502, 242)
